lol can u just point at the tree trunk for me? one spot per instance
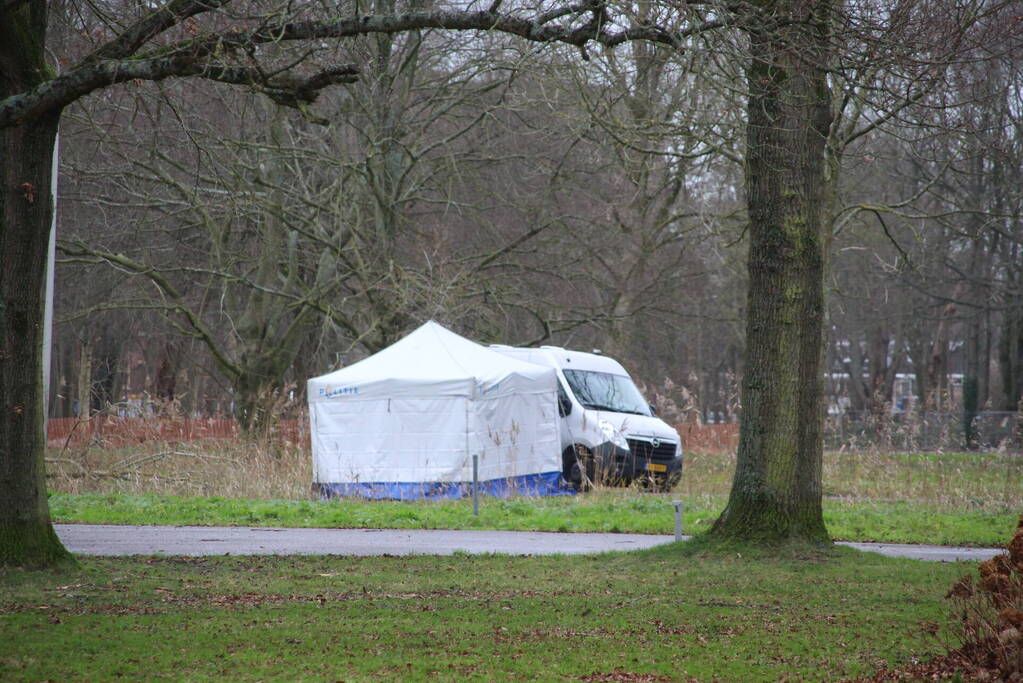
(776, 492)
(974, 377)
(26, 156)
(1010, 356)
(84, 380)
(255, 398)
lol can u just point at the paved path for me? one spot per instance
(102, 539)
(933, 553)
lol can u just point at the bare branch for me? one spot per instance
(200, 57)
(159, 20)
(87, 254)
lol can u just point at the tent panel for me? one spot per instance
(390, 440)
(516, 435)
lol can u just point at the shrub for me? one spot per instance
(990, 615)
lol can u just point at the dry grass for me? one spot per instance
(967, 480)
(955, 480)
(210, 467)
(234, 468)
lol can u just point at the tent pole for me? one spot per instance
(475, 485)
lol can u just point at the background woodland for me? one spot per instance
(216, 250)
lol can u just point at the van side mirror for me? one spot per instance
(653, 411)
(564, 404)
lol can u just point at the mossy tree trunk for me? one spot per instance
(776, 493)
(26, 207)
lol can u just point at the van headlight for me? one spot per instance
(612, 434)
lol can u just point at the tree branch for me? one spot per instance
(85, 254)
(159, 20)
(202, 57)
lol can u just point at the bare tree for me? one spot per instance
(299, 230)
(926, 181)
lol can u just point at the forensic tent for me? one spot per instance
(405, 422)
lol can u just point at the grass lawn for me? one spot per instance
(671, 613)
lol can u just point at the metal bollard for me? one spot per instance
(476, 485)
(678, 519)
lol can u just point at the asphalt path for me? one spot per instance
(104, 539)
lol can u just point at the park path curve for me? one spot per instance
(108, 539)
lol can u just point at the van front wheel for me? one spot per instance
(579, 468)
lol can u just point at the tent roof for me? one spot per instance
(433, 358)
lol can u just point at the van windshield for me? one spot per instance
(604, 391)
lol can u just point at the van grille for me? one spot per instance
(665, 451)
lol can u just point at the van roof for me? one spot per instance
(566, 359)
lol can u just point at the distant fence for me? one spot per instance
(122, 431)
(713, 438)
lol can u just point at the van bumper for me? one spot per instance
(617, 465)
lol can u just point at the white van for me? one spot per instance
(609, 433)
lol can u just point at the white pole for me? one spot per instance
(48, 297)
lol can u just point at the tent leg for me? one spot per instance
(476, 485)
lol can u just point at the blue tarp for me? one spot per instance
(541, 484)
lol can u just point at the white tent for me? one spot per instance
(405, 422)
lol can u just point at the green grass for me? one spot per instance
(918, 523)
(608, 510)
(671, 613)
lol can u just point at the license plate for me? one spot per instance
(656, 467)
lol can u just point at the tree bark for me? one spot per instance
(26, 205)
(776, 492)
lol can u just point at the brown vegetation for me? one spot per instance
(991, 615)
(122, 431)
